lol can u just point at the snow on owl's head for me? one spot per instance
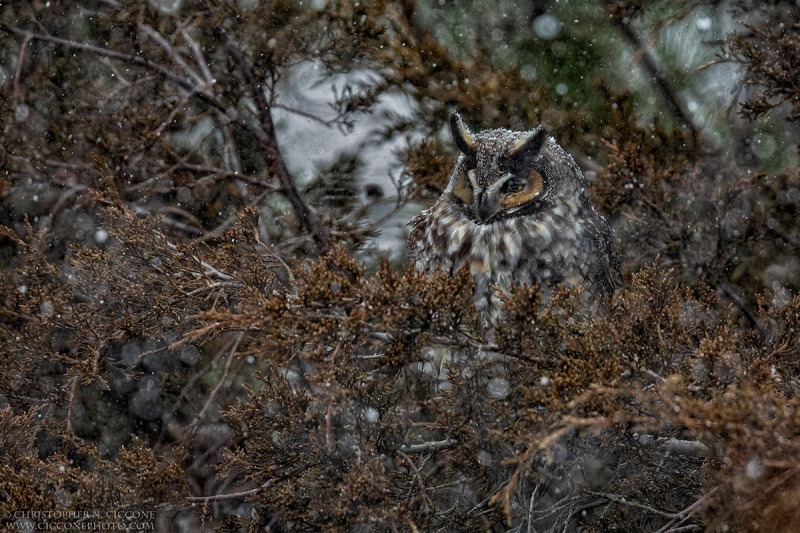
(502, 173)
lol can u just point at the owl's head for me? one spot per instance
(503, 174)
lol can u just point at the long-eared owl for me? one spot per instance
(515, 211)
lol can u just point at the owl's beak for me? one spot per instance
(486, 207)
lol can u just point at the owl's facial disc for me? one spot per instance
(520, 191)
(508, 195)
(465, 185)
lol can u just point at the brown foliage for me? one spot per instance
(770, 59)
(709, 219)
(356, 368)
(179, 334)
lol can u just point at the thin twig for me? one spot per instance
(210, 270)
(686, 513)
(733, 298)
(679, 446)
(531, 528)
(372, 226)
(73, 390)
(230, 495)
(172, 114)
(20, 62)
(128, 58)
(62, 201)
(306, 114)
(616, 498)
(199, 58)
(427, 447)
(231, 352)
(265, 134)
(662, 83)
(267, 138)
(170, 50)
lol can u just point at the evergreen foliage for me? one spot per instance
(188, 327)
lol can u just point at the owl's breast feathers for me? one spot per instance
(569, 244)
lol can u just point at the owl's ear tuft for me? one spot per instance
(530, 145)
(461, 134)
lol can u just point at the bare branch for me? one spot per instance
(20, 62)
(325, 122)
(265, 133)
(662, 83)
(210, 270)
(679, 446)
(138, 60)
(685, 514)
(230, 495)
(173, 54)
(428, 447)
(199, 58)
(233, 346)
(622, 501)
(269, 143)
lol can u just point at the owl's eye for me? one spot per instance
(513, 186)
